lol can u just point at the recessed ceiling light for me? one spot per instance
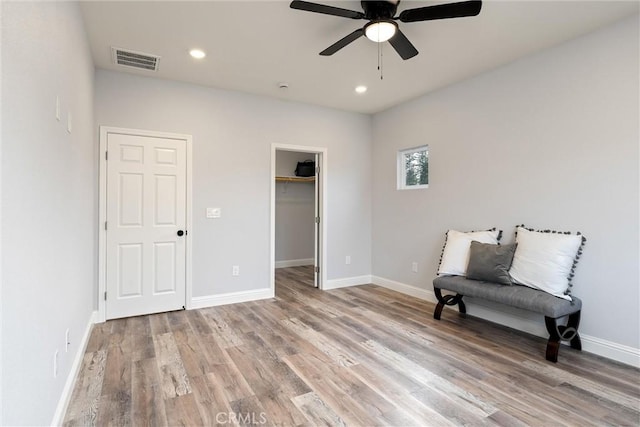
(197, 53)
(361, 89)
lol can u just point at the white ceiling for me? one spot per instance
(252, 46)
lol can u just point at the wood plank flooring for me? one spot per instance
(359, 356)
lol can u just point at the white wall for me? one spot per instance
(550, 141)
(232, 137)
(295, 212)
(48, 209)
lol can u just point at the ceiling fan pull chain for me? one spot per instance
(381, 67)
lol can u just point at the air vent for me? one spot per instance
(129, 58)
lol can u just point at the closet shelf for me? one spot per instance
(295, 178)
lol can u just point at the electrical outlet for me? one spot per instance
(55, 364)
(66, 341)
(414, 267)
(347, 259)
(235, 271)
(214, 212)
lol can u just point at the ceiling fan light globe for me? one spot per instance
(380, 31)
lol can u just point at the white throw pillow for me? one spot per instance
(455, 255)
(543, 260)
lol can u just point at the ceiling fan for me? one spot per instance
(382, 26)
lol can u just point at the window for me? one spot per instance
(413, 168)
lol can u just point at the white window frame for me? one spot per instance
(402, 172)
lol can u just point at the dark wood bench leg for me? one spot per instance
(553, 345)
(448, 300)
(574, 322)
(558, 333)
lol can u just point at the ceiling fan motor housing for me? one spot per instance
(379, 10)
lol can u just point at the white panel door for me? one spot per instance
(146, 219)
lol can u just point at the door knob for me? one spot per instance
(180, 233)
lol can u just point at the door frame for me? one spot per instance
(102, 209)
(322, 201)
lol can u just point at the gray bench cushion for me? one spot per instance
(514, 295)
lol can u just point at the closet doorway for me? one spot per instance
(297, 212)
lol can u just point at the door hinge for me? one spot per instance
(317, 220)
(105, 225)
(106, 155)
(317, 269)
(105, 296)
(317, 170)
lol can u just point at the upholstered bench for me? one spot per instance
(517, 296)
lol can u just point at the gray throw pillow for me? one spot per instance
(490, 263)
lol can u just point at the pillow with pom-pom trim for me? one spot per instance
(455, 254)
(546, 260)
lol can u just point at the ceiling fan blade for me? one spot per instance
(327, 10)
(442, 11)
(403, 46)
(343, 42)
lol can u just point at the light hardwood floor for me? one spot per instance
(357, 356)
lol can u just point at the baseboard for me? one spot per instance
(610, 350)
(521, 320)
(230, 298)
(294, 263)
(67, 391)
(346, 282)
(414, 291)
